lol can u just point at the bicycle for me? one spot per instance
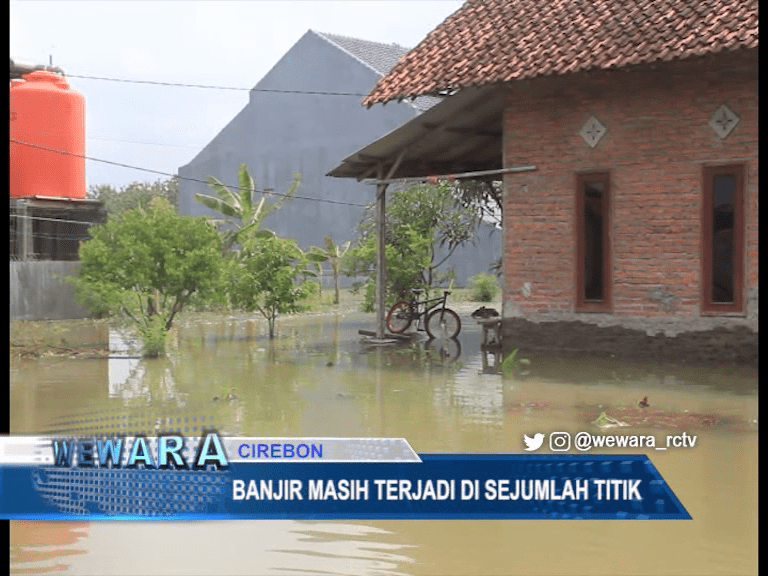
(441, 322)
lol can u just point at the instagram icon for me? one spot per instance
(559, 441)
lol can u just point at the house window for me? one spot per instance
(593, 246)
(722, 239)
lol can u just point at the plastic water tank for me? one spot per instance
(46, 112)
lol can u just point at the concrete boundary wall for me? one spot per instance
(38, 291)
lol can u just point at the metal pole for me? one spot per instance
(511, 169)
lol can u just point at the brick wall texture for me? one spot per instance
(657, 142)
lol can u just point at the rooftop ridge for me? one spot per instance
(380, 62)
(489, 41)
(331, 36)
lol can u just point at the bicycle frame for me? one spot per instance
(438, 320)
(420, 308)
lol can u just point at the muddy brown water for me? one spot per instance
(318, 379)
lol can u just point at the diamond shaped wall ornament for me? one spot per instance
(723, 121)
(592, 131)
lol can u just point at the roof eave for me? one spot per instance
(460, 134)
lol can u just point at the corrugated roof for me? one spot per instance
(379, 57)
(488, 41)
(376, 55)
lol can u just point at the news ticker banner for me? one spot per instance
(171, 477)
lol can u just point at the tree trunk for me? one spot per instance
(336, 284)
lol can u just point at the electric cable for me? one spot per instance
(212, 87)
(271, 192)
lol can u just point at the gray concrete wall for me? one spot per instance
(38, 291)
(279, 134)
(474, 257)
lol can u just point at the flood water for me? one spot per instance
(318, 379)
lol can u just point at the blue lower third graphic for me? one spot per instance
(447, 486)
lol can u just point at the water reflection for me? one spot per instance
(319, 379)
(45, 547)
(481, 399)
(261, 548)
(126, 372)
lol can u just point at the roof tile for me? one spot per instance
(489, 41)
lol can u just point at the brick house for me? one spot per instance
(631, 226)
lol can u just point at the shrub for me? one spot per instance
(154, 337)
(483, 288)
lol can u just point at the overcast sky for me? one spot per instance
(222, 43)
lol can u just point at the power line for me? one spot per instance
(32, 145)
(211, 87)
(62, 220)
(137, 142)
(60, 237)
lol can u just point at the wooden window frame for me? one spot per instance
(582, 304)
(708, 307)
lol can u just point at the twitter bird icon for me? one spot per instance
(534, 443)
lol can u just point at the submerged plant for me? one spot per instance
(226, 393)
(605, 421)
(510, 367)
(154, 337)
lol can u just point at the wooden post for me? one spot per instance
(381, 269)
(381, 255)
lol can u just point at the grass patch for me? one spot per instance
(323, 302)
(32, 339)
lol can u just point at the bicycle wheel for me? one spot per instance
(446, 350)
(399, 317)
(443, 324)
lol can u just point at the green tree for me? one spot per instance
(332, 253)
(264, 277)
(243, 213)
(486, 198)
(134, 195)
(420, 221)
(149, 264)
(407, 258)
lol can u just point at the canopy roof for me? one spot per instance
(463, 133)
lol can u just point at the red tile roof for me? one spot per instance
(488, 41)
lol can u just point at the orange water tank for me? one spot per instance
(47, 113)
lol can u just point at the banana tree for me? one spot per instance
(333, 254)
(242, 213)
